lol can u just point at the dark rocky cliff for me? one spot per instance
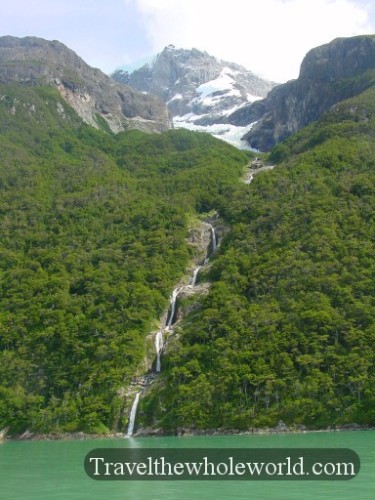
(34, 61)
(328, 75)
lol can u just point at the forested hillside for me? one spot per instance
(287, 330)
(93, 239)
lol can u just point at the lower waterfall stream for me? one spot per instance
(133, 413)
(171, 319)
(158, 348)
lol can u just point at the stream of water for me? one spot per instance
(159, 342)
(158, 348)
(175, 293)
(133, 414)
(195, 276)
(213, 239)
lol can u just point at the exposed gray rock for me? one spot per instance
(34, 61)
(329, 74)
(199, 239)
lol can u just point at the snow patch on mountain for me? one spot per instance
(223, 83)
(224, 131)
(177, 96)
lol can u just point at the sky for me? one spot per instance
(269, 37)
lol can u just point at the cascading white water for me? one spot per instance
(195, 275)
(133, 413)
(159, 336)
(249, 179)
(214, 239)
(173, 307)
(158, 347)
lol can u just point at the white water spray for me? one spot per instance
(214, 239)
(175, 293)
(133, 413)
(249, 179)
(195, 275)
(158, 348)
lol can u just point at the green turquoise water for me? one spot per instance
(53, 470)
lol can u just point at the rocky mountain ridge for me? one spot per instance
(199, 89)
(93, 95)
(329, 74)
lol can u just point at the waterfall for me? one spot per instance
(145, 380)
(214, 239)
(133, 413)
(158, 347)
(195, 275)
(173, 307)
(249, 179)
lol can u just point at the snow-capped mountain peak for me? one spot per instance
(199, 89)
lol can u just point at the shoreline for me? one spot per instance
(141, 433)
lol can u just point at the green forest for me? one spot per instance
(94, 238)
(287, 331)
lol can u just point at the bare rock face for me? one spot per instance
(93, 95)
(199, 240)
(329, 74)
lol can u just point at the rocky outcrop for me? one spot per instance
(329, 74)
(199, 239)
(93, 95)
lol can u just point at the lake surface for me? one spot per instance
(54, 470)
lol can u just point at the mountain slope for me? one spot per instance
(93, 238)
(287, 331)
(198, 89)
(330, 73)
(95, 97)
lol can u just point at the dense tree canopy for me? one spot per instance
(93, 239)
(287, 331)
